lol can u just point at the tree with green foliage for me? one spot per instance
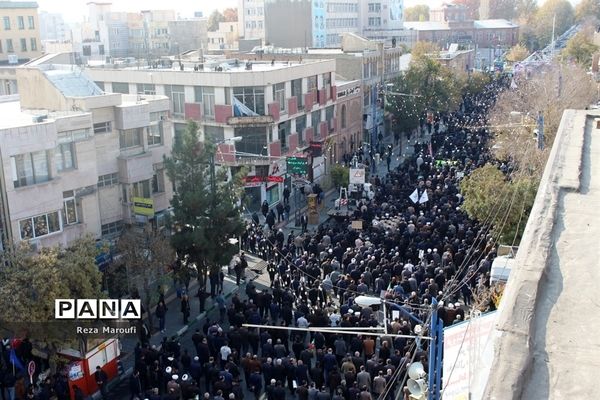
(497, 200)
(581, 49)
(475, 83)
(517, 53)
(148, 257)
(427, 86)
(340, 175)
(205, 212)
(30, 282)
(424, 49)
(586, 9)
(214, 19)
(417, 13)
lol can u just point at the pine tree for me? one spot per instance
(205, 216)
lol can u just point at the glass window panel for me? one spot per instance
(53, 222)
(40, 225)
(26, 227)
(40, 166)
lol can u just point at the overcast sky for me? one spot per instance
(74, 10)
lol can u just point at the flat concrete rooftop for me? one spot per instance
(549, 347)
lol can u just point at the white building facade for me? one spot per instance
(76, 161)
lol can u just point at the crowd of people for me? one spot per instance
(408, 251)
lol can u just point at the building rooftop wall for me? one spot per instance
(550, 303)
(18, 4)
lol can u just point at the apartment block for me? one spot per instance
(75, 160)
(19, 32)
(277, 108)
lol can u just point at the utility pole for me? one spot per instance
(540, 127)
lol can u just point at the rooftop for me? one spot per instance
(71, 82)
(18, 4)
(494, 24)
(547, 348)
(222, 66)
(443, 26)
(13, 116)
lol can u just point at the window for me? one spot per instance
(69, 212)
(100, 85)
(120, 87)
(300, 127)
(284, 129)
(158, 181)
(1, 51)
(155, 134)
(311, 83)
(33, 43)
(101, 49)
(64, 156)
(146, 88)
(279, 95)
(327, 80)
(112, 228)
(297, 91)
(108, 180)
(130, 138)
(215, 133)
(102, 127)
(158, 116)
(141, 189)
(315, 117)
(9, 46)
(251, 97)
(31, 22)
(206, 96)
(87, 50)
(21, 22)
(75, 135)
(30, 168)
(177, 96)
(329, 114)
(343, 116)
(6, 23)
(40, 225)
(374, 7)
(23, 45)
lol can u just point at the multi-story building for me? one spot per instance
(156, 28)
(188, 34)
(340, 17)
(320, 23)
(75, 160)
(277, 108)
(224, 38)
(369, 62)
(53, 27)
(251, 19)
(382, 19)
(19, 32)
(349, 112)
(450, 23)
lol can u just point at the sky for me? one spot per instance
(74, 10)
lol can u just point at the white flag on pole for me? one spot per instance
(424, 198)
(414, 196)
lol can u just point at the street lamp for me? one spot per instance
(368, 301)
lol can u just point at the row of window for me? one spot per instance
(342, 8)
(374, 21)
(129, 138)
(20, 22)
(254, 24)
(252, 97)
(374, 7)
(341, 23)
(52, 222)
(10, 48)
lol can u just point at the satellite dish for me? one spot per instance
(417, 387)
(416, 371)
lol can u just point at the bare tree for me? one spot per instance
(551, 90)
(148, 256)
